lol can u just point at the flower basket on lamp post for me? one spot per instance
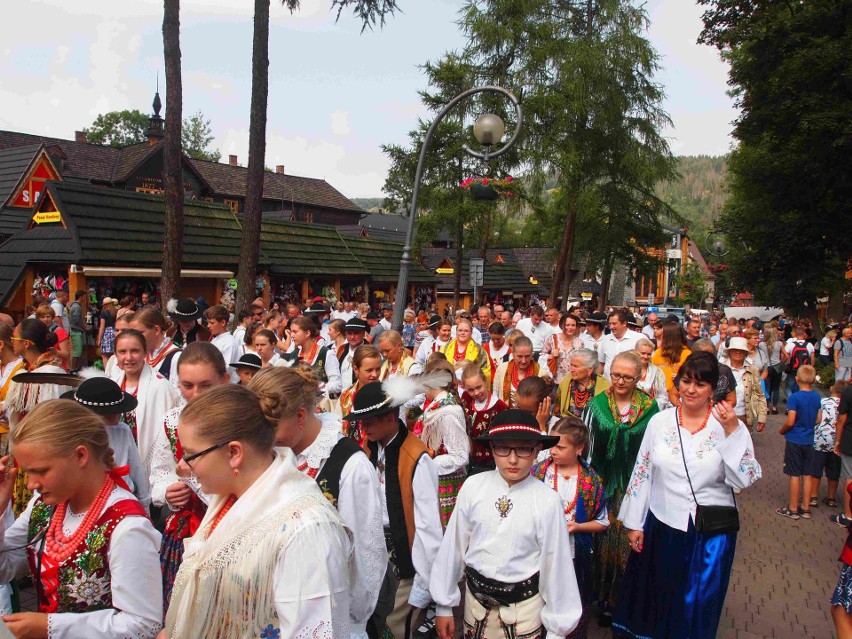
(485, 189)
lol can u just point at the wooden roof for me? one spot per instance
(382, 260)
(501, 273)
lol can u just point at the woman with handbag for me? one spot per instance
(681, 512)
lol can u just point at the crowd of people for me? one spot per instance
(312, 471)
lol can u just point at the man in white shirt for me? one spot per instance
(58, 306)
(651, 320)
(217, 323)
(409, 497)
(244, 321)
(619, 340)
(536, 329)
(387, 316)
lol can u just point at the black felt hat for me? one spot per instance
(516, 424)
(371, 401)
(597, 318)
(317, 307)
(102, 396)
(356, 324)
(186, 309)
(372, 315)
(434, 321)
(249, 360)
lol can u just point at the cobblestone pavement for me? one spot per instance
(784, 571)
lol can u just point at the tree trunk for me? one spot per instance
(172, 171)
(250, 242)
(566, 253)
(606, 276)
(459, 266)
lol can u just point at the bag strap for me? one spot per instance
(683, 456)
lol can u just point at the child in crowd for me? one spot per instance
(801, 462)
(581, 490)
(507, 538)
(533, 396)
(841, 600)
(481, 406)
(247, 367)
(824, 436)
(103, 396)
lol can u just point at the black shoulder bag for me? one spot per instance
(710, 520)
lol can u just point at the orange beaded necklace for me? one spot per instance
(221, 514)
(59, 546)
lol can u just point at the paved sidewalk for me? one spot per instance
(784, 571)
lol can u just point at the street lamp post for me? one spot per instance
(488, 130)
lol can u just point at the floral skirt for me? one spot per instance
(676, 586)
(843, 593)
(448, 490)
(108, 341)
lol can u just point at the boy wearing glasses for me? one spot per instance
(507, 537)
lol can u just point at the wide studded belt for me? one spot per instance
(494, 594)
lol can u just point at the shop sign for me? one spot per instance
(586, 296)
(48, 217)
(445, 270)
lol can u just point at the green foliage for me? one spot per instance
(825, 373)
(789, 180)
(196, 137)
(692, 286)
(118, 128)
(699, 193)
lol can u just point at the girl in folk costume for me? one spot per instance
(155, 394)
(442, 427)
(162, 353)
(265, 345)
(10, 365)
(617, 419)
(510, 374)
(288, 397)
(508, 538)
(480, 407)
(366, 366)
(121, 324)
(89, 544)
(308, 351)
(463, 349)
(397, 361)
(581, 490)
(558, 348)
(201, 368)
(271, 556)
(32, 341)
(533, 396)
(497, 348)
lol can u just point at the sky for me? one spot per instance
(335, 95)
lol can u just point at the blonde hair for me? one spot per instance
(391, 336)
(751, 332)
(44, 310)
(60, 425)
(643, 341)
(470, 369)
(631, 357)
(365, 352)
(806, 374)
(283, 391)
(229, 413)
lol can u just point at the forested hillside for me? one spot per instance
(699, 195)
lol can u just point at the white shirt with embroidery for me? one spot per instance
(659, 483)
(509, 533)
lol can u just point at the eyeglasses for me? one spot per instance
(191, 458)
(504, 451)
(19, 339)
(627, 379)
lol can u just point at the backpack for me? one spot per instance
(798, 356)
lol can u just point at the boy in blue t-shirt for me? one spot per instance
(800, 458)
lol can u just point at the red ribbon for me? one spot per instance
(118, 474)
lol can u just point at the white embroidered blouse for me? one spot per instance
(716, 464)
(446, 424)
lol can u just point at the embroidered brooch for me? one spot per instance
(503, 506)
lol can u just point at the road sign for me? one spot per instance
(477, 274)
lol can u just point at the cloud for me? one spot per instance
(340, 123)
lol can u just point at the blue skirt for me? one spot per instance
(676, 587)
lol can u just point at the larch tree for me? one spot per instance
(370, 13)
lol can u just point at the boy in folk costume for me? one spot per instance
(581, 490)
(508, 538)
(408, 481)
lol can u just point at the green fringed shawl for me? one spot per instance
(615, 444)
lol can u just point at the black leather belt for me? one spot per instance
(493, 594)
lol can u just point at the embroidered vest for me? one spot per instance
(401, 457)
(83, 580)
(329, 477)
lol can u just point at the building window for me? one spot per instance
(149, 191)
(309, 217)
(234, 205)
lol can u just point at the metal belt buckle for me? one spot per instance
(486, 600)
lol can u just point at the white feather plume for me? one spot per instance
(171, 306)
(89, 372)
(402, 388)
